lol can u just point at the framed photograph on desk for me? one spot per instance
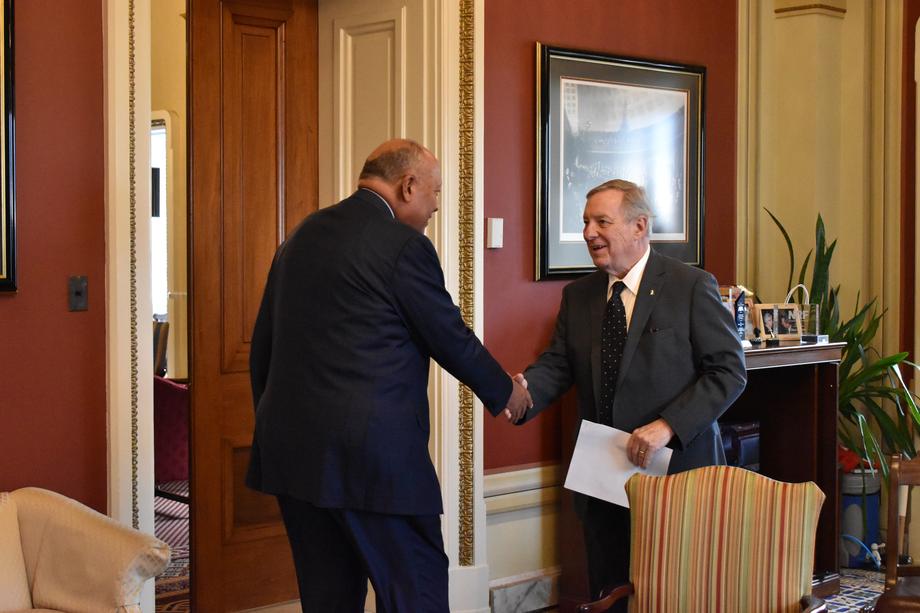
(602, 117)
(783, 319)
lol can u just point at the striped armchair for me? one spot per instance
(718, 539)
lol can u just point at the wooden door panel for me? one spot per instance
(247, 515)
(253, 113)
(252, 152)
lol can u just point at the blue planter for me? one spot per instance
(859, 516)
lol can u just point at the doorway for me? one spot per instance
(231, 523)
(170, 383)
(169, 297)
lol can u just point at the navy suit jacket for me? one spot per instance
(354, 307)
(682, 360)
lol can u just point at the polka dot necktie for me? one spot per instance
(613, 339)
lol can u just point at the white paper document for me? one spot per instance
(600, 466)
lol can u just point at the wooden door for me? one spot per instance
(253, 176)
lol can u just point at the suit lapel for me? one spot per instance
(597, 301)
(649, 290)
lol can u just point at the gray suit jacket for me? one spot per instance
(682, 360)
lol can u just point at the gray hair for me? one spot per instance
(635, 200)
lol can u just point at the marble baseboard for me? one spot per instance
(525, 593)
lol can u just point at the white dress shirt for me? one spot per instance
(632, 280)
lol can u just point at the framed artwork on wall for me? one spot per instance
(7, 158)
(601, 117)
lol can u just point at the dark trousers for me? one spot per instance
(336, 551)
(606, 530)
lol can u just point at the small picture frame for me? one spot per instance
(783, 319)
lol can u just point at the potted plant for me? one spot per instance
(876, 411)
(868, 381)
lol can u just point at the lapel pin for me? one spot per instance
(651, 292)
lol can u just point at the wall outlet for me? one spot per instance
(77, 289)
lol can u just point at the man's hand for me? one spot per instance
(519, 401)
(647, 440)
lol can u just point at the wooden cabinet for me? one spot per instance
(792, 392)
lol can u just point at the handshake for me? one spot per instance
(520, 399)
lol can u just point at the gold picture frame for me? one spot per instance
(788, 327)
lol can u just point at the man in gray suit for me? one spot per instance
(651, 350)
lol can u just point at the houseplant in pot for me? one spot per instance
(868, 381)
(876, 410)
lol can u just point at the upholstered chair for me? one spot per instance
(170, 438)
(719, 539)
(160, 340)
(59, 555)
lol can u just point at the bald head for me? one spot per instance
(393, 159)
(407, 176)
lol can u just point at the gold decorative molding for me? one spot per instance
(467, 260)
(132, 204)
(795, 8)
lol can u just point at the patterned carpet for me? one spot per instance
(858, 589)
(171, 525)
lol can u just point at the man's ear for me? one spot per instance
(407, 187)
(641, 224)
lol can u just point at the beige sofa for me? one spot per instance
(59, 555)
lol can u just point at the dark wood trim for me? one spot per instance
(793, 353)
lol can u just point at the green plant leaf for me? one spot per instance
(894, 437)
(788, 246)
(801, 296)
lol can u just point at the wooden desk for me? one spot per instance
(792, 392)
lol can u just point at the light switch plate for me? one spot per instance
(494, 232)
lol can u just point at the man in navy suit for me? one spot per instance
(651, 350)
(354, 308)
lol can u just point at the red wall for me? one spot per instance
(52, 361)
(519, 312)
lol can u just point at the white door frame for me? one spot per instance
(129, 343)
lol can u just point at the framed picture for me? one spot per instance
(7, 158)
(784, 319)
(601, 117)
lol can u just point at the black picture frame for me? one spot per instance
(8, 162)
(602, 117)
